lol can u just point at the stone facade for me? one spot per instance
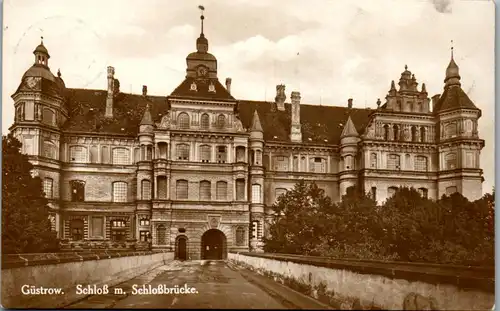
(198, 170)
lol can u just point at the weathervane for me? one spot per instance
(202, 8)
(452, 49)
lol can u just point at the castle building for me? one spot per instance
(197, 171)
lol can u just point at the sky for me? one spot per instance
(328, 50)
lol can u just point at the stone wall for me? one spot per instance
(368, 285)
(66, 271)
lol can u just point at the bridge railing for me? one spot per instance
(467, 277)
(10, 261)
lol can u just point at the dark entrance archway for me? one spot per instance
(213, 245)
(181, 248)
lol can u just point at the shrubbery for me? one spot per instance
(407, 227)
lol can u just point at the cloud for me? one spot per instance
(442, 6)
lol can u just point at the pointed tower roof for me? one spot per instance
(349, 129)
(146, 117)
(256, 126)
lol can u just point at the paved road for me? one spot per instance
(218, 285)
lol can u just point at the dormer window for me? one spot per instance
(194, 87)
(211, 88)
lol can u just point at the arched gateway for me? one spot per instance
(213, 245)
(181, 248)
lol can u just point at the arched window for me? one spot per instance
(49, 150)
(391, 191)
(77, 190)
(240, 236)
(48, 185)
(422, 134)
(386, 132)
(205, 121)
(303, 164)
(395, 129)
(414, 133)
(205, 191)
(121, 156)
(119, 191)
(94, 158)
(161, 235)
(451, 161)
(221, 190)
(373, 160)
(78, 154)
(221, 121)
(48, 116)
(256, 193)
(420, 163)
(183, 120)
(145, 189)
(181, 189)
(394, 162)
(76, 229)
(182, 152)
(205, 153)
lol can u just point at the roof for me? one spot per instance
(349, 129)
(320, 124)
(454, 98)
(202, 92)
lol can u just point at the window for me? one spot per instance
(118, 230)
(205, 190)
(48, 187)
(373, 160)
(149, 153)
(119, 191)
(19, 112)
(161, 235)
(422, 134)
(373, 193)
(162, 187)
(137, 154)
(450, 130)
(255, 193)
(77, 191)
(121, 156)
(278, 192)
(348, 162)
(295, 164)
(451, 190)
(105, 155)
(423, 192)
(258, 157)
(255, 229)
(240, 154)
(49, 150)
(240, 236)
(303, 162)
(143, 236)
(469, 125)
(144, 222)
(183, 120)
(221, 154)
(393, 162)
(145, 190)
(221, 190)
(240, 189)
(469, 160)
(386, 132)
(29, 111)
(181, 189)
(414, 133)
(48, 116)
(28, 145)
(182, 152)
(76, 229)
(281, 164)
(451, 161)
(420, 163)
(93, 154)
(395, 129)
(221, 121)
(162, 146)
(78, 154)
(391, 191)
(205, 153)
(97, 226)
(205, 121)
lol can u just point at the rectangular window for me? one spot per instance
(255, 193)
(120, 191)
(121, 156)
(118, 230)
(205, 191)
(144, 222)
(421, 163)
(373, 193)
(29, 111)
(77, 191)
(143, 236)
(240, 189)
(146, 190)
(162, 187)
(373, 160)
(319, 165)
(423, 192)
(281, 164)
(205, 153)
(48, 187)
(221, 154)
(182, 152)
(393, 162)
(97, 226)
(221, 190)
(182, 190)
(28, 146)
(78, 154)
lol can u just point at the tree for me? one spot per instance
(26, 227)
(300, 218)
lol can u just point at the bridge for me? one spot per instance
(153, 279)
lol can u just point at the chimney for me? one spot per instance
(111, 92)
(434, 102)
(280, 97)
(349, 103)
(144, 90)
(296, 130)
(228, 85)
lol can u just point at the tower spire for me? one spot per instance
(451, 49)
(202, 8)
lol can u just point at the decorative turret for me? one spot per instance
(280, 97)
(256, 130)
(146, 124)
(295, 131)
